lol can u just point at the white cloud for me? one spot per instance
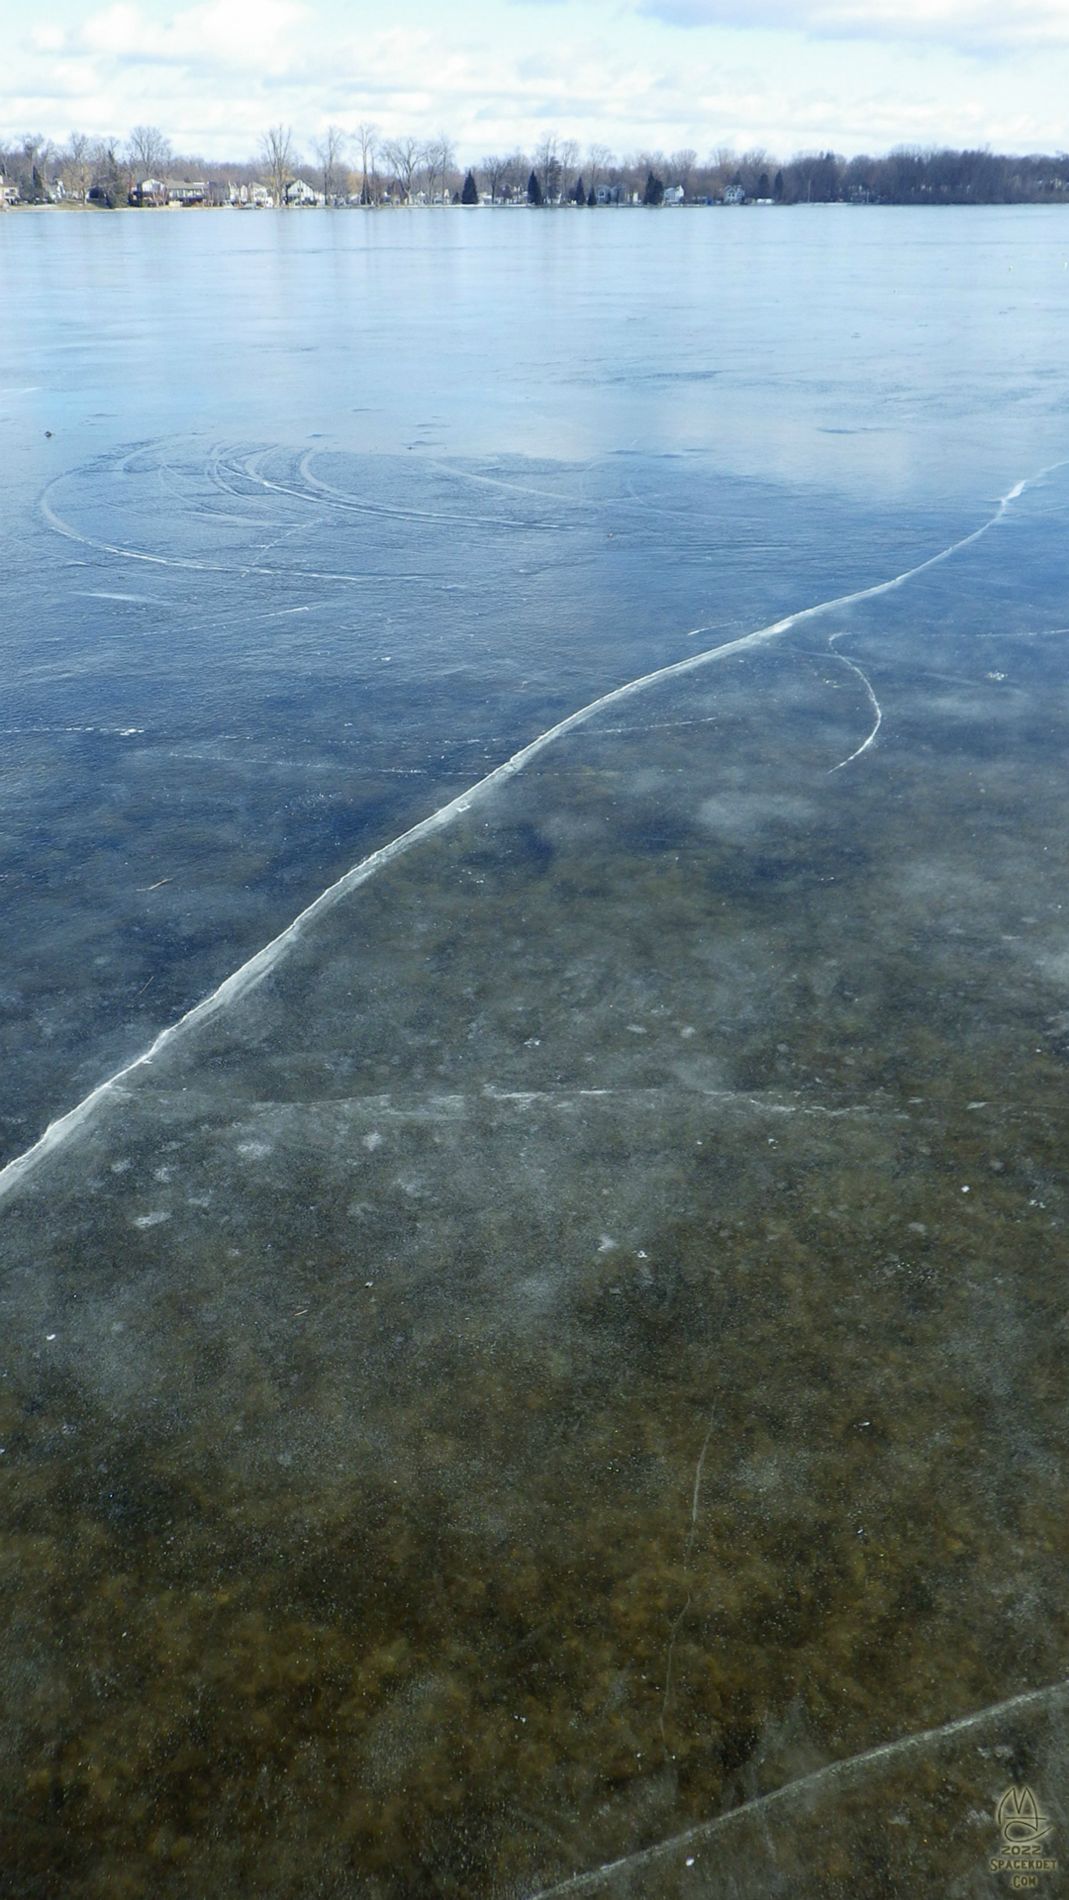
(231, 36)
(47, 39)
(965, 25)
(213, 77)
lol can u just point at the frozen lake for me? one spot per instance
(548, 732)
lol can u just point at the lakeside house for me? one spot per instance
(194, 191)
(256, 196)
(299, 193)
(149, 191)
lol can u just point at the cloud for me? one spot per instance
(229, 36)
(214, 76)
(965, 25)
(47, 39)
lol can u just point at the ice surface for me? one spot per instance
(552, 1382)
(336, 646)
(883, 1813)
(575, 1345)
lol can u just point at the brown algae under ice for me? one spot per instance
(580, 1343)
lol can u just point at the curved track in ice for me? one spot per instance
(317, 492)
(456, 473)
(189, 564)
(251, 972)
(835, 1772)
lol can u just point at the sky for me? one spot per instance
(786, 75)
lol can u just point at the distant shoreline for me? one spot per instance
(761, 204)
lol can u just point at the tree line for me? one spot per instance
(364, 166)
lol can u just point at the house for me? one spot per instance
(673, 195)
(256, 195)
(607, 195)
(299, 193)
(733, 195)
(149, 191)
(187, 192)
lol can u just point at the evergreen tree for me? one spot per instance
(470, 193)
(654, 192)
(534, 190)
(579, 194)
(107, 186)
(592, 200)
(777, 188)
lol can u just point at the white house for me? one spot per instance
(733, 195)
(673, 195)
(249, 195)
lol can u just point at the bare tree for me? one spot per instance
(148, 153)
(681, 168)
(329, 150)
(645, 162)
(506, 176)
(517, 170)
(568, 155)
(76, 169)
(366, 136)
(752, 166)
(722, 165)
(404, 157)
(599, 158)
(439, 157)
(276, 151)
(495, 170)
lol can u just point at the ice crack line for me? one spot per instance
(873, 701)
(687, 1549)
(834, 1771)
(250, 973)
